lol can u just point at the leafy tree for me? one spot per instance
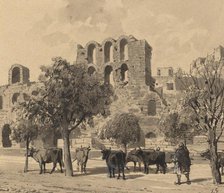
(205, 96)
(24, 128)
(69, 97)
(178, 124)
(123, 128)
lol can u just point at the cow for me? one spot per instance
(182, 163)
(114, 160)
(132, 157)
(151, 157)
(206, 154)
(48, 155)
(81, 155)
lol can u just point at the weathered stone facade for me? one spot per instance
(18, 89)
(124, 63)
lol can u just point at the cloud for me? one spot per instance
(34, 31)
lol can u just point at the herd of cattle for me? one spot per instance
(117, 160)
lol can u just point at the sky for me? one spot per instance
(32, 32)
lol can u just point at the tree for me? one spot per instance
(123, 128)
(178, 124)
(205, 96)
(69, 97)
(24, 129)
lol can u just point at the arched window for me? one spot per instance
(124, 73)
(26, 97)
(15, 75)
(152, 108)
(15, 98)
(108, 52)
(91, 70)
(170, 72)
(6, 132)
(123, 50)
(150, 135)
(92, 54)
(1, 102)
(108, 75)
(35, 93)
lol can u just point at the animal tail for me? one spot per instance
(127, 167)
(74, 159)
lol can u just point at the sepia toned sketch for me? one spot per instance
(111, 96)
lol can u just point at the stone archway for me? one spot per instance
(15, 75)
(91, 70)
(6, 132)
(124, 73)
(108, 75)
(150, 135)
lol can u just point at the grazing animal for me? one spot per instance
(114, 160)
(81, 155)
(49, 155)
(206, 154)
(151, 157)
(182, 163)
(132, 157)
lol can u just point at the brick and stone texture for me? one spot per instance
(124, 63)
(18, 89)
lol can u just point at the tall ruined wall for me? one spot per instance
(128, 54)
(130, 74)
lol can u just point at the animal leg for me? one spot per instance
(222, 170)
(163, 166)
(144, 167)
(157, 168)
(134, 166)
(60, 163)
(139, 166)
(84, 167)
(119, 172)
(113, 170)
(54, 166)
(44, 167)
(123, 173)
(110, 171)
(77, 166)
(81, 167)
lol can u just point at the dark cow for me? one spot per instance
(182, 163)
(81, 155)
(207, 155)
(151, 157)
(114, 160)
(132, 157)
(49, 155)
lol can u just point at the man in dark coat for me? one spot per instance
(182, 163)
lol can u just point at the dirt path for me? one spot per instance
(12, 179)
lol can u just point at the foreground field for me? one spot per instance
(12, 179)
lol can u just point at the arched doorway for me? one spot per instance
(15, 98)
(91, 54)
(123, 50)
(108, 52)
(6, 132)
(91, 70)
(150, 135)
(124, 73)
(108, 75)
